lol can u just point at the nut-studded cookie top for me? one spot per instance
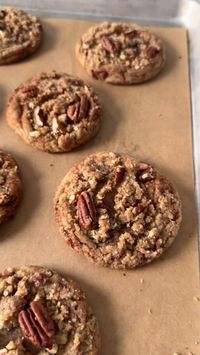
(118, 212)
(54, 112)
(42, 312)
(120, 53)
(20, 34)
(10, 186)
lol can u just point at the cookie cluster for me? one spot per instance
(116, 211)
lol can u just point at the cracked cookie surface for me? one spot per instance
(120, 53)
(54, 112)
(43, 313)
(20, 35)
(116, 211)
(10, 186)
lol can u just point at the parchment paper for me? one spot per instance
(151, 310)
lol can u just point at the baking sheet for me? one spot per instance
(151, 310)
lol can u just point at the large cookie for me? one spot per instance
(10, 186)
(54, 112)
(20, 35)
(43, 313)
(116, 211)
(120, 53)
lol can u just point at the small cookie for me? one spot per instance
(10, 186)
(42, 312)
(120, 53)
(116, 211)
(20, 35)
(54, 112)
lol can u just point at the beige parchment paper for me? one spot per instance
(151, 310)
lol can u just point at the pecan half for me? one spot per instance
(84, 106)
(78, 109)
(110, 45)
(86, 210)
(145, 175)
(119, 174)
(29, 91)
(152, 52)
(36, 325)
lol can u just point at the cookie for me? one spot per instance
(120, 53)
(10, 186)
(42, 312)
(54, 112)
(20, 35)
(116, 211)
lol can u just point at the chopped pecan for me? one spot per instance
(131, 34)
(140, 207)
(86, 210)
(145, 175)
(36, 325)
(119, 174)
(40, 116)
(57, 126)
(39, 280)
(29, 91)
(2, 179)
(101, 74)
(152, 52)
(110, 45)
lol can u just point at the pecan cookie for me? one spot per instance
(120, 53)
(20, 35)
(42, 312)
(10, 186)
(116, 211)
(54, 112)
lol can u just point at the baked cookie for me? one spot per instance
(20, 35)
(116, 211)
(43, 313)
(10, 186)
(54, 112)
(120, 53)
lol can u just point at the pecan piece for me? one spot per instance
(36, 325)
(73, 111)
(119, 174)
(130, 34)
(109, 45)
(86, 210)
(152, 52)
(101, 74)
(2, 179)
(145, 175)
(140, 207)
(40, 116)
(57, 126)
(29, 91)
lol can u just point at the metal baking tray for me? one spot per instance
(152, 12)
